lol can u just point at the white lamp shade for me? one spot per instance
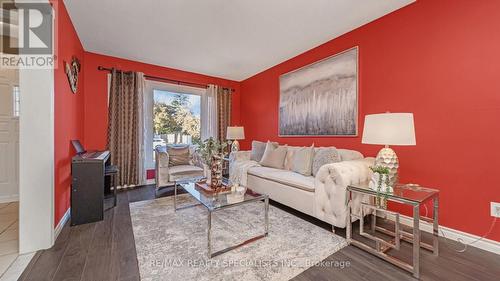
(389, 129)
(235, 133)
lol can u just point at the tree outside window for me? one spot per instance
(176, 117)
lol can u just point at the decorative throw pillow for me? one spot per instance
(258, 149)
(323, 156)
(178, 155)
(302, 160)
(273, 157)
(347, 154)
(289, 158)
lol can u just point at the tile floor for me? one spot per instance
(9, 234)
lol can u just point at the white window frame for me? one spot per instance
(148, 112)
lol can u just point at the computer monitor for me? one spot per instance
(78, 146)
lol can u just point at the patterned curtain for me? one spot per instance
(124, 129)
(223, 112)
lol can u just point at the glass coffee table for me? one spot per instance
(220, 201)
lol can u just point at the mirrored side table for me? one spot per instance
(412, 195)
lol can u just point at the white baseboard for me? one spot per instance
(9, 198)
(453, 234)
(61, 223)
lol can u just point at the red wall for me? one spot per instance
(96, 99)
(84, 116)
(68, 109)
(437, 59)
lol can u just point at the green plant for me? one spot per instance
(381, 199)
(209, 148)
(380, 169)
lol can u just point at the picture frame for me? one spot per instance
(321, 99)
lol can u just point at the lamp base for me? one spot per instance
(386, 157)
(235, 146)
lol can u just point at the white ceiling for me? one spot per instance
(232, 39)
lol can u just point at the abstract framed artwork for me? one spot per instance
(321, 99)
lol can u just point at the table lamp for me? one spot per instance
(235, 134)
(389, 129)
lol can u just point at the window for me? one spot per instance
(176, 118)
(158, 109)
(16, 101)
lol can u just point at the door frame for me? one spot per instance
(36, 157)
(36, 160)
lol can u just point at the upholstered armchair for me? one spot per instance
(168, 171)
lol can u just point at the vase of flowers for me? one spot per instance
(211, 152)
(380, 182)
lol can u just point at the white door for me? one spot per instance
(9, 137)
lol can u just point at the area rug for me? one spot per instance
(173, 245)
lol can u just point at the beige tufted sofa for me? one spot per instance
(323, 196)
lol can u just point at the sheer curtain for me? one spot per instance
(209, 113)
(215, 112)
(142, 102)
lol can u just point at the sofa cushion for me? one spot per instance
(289, 178)
(323, 156)
(347, 154)
(273, 157)
(290, 150)
(258, 149)
(262, 172)
(294, 180)
(301, 160)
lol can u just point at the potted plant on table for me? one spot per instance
(211, 152)
(380, 182)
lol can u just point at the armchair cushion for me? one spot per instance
(178, 155)
(184, 171)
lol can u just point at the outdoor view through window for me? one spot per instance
(176, 118)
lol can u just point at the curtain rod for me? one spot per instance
(150, 77)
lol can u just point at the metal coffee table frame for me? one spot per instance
(381, 246)
(261, 197)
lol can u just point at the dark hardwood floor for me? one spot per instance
(105, 251)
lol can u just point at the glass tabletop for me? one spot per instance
(223, 199)
(408, 192)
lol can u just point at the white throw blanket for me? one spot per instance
(238, 171)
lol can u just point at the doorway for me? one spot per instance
(9, 167)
